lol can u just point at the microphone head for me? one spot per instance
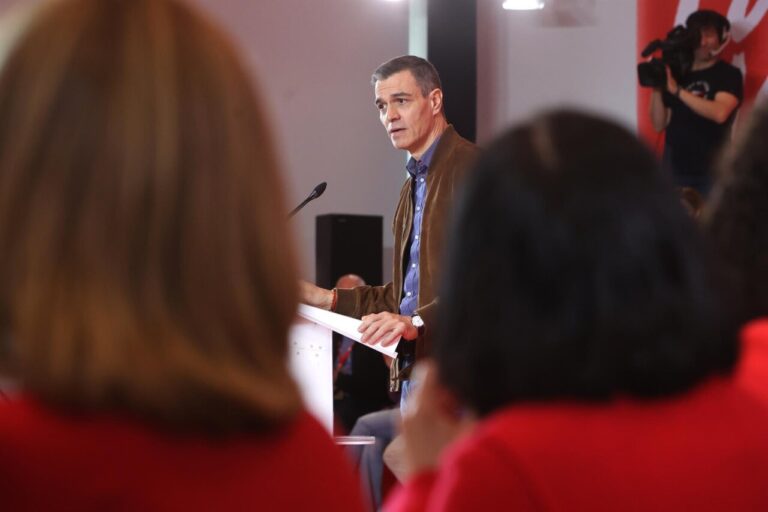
(319, 190)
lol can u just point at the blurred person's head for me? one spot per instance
(350, 281)
(141, 270)
(737, 217)
(592, 282)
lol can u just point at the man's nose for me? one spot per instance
(392, 113)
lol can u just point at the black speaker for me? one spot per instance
(348, 244)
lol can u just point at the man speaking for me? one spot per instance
(409, 100)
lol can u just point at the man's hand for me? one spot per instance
(672, 85)
(386, 328)
(315, 296)
(432, 420)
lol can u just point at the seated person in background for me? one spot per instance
(360, 376)
(144, 308)
(737, 223)
(599, 376)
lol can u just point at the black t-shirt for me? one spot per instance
(692, 141)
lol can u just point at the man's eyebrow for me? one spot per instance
(394, 95)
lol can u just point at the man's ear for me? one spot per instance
(436, 101)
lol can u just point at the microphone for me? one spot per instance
(723, 44)
(317, 192)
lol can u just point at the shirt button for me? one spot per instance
(407, 294)
(418, 208)
(421, 180)
(416, 237)
(413, 265)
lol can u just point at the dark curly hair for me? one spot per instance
(737, 217)
(575, 273)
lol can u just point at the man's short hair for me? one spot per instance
(706, 18)
(421, 69)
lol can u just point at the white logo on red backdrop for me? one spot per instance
(747, 50)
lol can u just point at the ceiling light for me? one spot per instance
(523, 5)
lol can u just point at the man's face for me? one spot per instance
(710, 42)
(407, 115)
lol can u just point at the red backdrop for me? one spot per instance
(748, 49)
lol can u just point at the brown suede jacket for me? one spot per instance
(452, 159)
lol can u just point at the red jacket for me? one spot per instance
(706, 450)
(54, 462)
(753, 367)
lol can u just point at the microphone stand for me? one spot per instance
(317, 192)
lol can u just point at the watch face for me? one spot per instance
(417, 321)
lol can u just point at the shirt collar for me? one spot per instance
(415, 167)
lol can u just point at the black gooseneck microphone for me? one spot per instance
(317, 192)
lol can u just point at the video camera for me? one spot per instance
(676, 52)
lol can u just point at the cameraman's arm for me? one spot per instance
(717, 110)
(658, 112)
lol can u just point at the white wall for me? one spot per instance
(314, 59)
(526, 64)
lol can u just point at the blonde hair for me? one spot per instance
(144, 267)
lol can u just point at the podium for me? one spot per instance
(310, 356)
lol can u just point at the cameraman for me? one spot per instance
(698, 111)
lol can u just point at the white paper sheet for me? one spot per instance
(344, 325)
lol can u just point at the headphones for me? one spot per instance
(708, 18)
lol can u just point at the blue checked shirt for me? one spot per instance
(417, 169)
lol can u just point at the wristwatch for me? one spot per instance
(418, 323)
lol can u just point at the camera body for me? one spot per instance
(677, 52)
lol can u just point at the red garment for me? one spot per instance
(753, 368)
(52, 462)
(706, 450)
